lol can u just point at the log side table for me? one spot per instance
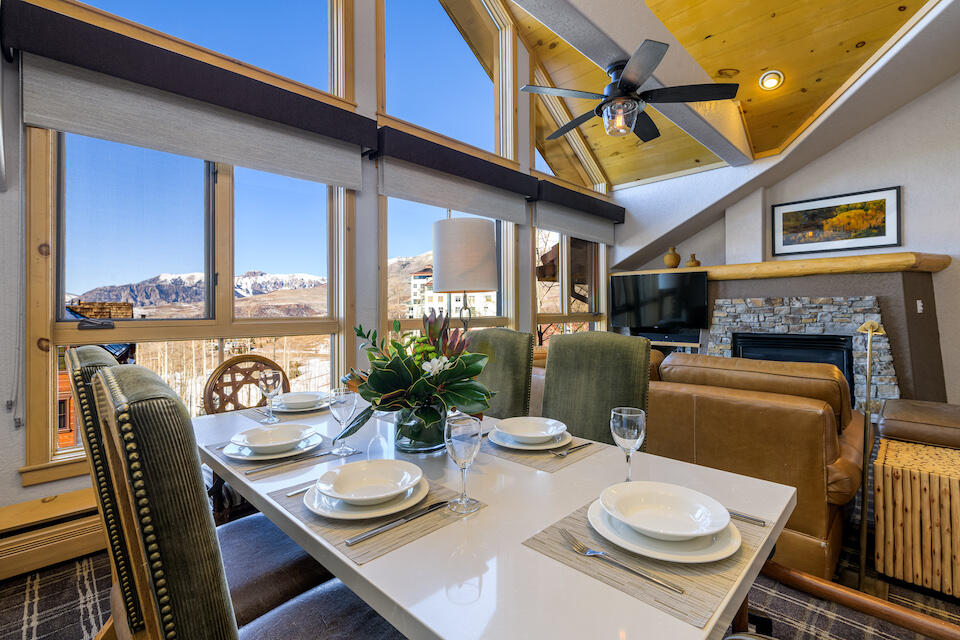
(917, 514)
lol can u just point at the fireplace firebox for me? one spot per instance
(789, 347)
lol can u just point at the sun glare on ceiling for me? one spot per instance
(771, 80)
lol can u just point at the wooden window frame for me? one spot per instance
(504, 88)
(508, 280)
(341, 93)
(602, 279)
(44, 462)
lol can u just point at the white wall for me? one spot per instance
(918, 148)
(709, 245)
(746, 229)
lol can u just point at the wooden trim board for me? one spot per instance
(872, 263)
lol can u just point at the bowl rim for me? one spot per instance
(321, 484)
(531, 439)
(238, 438)
(710, 503)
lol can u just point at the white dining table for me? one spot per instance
(475, 578)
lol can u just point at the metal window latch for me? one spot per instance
(95, 323)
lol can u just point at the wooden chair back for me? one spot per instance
(222, 391)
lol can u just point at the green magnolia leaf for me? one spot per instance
(396, 326)
(429, 415)
(463, 368)
(355, 424)
(423, 389)
(469, 396)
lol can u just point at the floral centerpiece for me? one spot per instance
(421, 378)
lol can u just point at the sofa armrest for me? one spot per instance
(846, 472)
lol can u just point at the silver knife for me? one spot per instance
(395, 523)
(742, 516)
(267, 467)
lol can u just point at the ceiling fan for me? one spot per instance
(622, 103)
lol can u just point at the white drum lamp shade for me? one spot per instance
(464, 255)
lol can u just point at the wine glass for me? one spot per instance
(628, 426)
(462, 435)
(269, 381)
(342, 404)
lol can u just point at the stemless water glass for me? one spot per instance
(269, 381)
(628, 426)
(462, 435)
(342, 404)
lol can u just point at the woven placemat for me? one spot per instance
(242, 466)
(336, 531)
(705, 585)
(541, 460)
(255, 415)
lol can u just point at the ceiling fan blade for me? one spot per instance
(644, 128)
(641, 64)
(570, 126)
(566, 93)
(691, 93)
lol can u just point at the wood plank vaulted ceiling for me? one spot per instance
(817, 44)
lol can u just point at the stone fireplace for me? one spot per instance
(795, 319)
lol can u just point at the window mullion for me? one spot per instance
(222, 246)
(565, 275)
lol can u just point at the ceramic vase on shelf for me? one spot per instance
(693, 262)
(672, 258)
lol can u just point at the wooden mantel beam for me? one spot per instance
(871, 263)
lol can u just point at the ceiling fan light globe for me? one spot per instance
(619, 117)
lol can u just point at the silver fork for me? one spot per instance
(583, 550)
(565, 452)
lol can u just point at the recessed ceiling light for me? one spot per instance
(771, 80)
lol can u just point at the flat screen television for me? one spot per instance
(659, 301)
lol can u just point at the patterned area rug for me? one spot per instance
(70, 601)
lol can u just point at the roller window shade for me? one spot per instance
(555, 217)
(67, 98)
(400, 179)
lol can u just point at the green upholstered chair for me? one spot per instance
(174, 548)
(590, 373)
(508, 369)
(279, 569)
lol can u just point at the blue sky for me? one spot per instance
(133, 213)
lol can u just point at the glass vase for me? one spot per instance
(413, 436)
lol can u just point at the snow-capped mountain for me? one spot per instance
(172, 288)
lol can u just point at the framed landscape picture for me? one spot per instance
(859, 220)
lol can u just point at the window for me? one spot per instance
(134, 232)
(280, 246)
(567, 273)
(191, 262)
(540, 164)
(290, 38)
(409, 276)
(440, 60)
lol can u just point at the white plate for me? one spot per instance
(340, 510)
(242, 453)
(272, 438)
(300, 400)
(699, 550)
(664, 511)
(279, 407)
(531, 429)
(369, 481)
(506, 441)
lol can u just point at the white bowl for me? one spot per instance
(273, 438)
(369, 481)
(664, 511)
(531, 429)
(301, 399)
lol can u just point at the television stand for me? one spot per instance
(671, 340)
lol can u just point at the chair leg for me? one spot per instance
(741, 619)
(221, 510)
(107, 632)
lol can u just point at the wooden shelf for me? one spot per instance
(659, 343)
(871, 263)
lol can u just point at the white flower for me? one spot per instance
(435, 366)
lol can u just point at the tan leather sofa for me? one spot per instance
(786, 422)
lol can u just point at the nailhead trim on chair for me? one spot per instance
(115, 537)
(142, 503)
